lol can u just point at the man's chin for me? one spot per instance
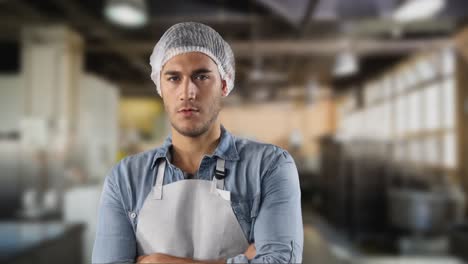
(190, 131)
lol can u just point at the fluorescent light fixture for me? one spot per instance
(129, 13)
(413, 10)
(346, 64)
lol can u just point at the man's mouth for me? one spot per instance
(188, 112)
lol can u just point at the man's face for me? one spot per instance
(191, 88)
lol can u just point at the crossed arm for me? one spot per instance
(278, 229)
(163, 258)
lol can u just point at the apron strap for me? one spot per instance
(157, 188)
(220, 174)
(217, 183)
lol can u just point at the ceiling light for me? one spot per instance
(346, 64)
(413, 10)
(130, 13)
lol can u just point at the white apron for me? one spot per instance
(190, 218)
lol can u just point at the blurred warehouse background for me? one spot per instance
(369, 96)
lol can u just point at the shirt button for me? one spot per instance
(133, 215)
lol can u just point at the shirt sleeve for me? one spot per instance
(278, 229)
(115, 240)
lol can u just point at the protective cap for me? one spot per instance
(193, 37)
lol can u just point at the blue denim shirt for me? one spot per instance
(265, 197)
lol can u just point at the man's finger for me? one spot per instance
(251, 251)
(140, 258)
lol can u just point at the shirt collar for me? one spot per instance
(226, 148)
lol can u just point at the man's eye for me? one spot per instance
(201, 77)
(173, 78)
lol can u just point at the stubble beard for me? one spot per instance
(197, 131)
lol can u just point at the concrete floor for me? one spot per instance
(315, 248)
(323, 245)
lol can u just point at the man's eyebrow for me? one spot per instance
(198, 71)
(171, 72)
(202, 70)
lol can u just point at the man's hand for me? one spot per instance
(163, 258)
(251, 251)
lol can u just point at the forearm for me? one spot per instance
(221, 261)
(163, 258)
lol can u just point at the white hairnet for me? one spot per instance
(193, 37)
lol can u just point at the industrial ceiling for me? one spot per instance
(288, 42)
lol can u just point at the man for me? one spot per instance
(204, 196)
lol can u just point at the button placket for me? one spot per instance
(132, 215)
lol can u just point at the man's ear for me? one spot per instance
(224, 89)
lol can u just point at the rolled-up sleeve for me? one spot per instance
(278, 230)
(115, 240)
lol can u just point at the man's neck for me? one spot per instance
(187, 152)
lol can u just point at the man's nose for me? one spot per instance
(189, 90)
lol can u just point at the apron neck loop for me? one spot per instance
(218, 178)
(220, 174)
(157, 189)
